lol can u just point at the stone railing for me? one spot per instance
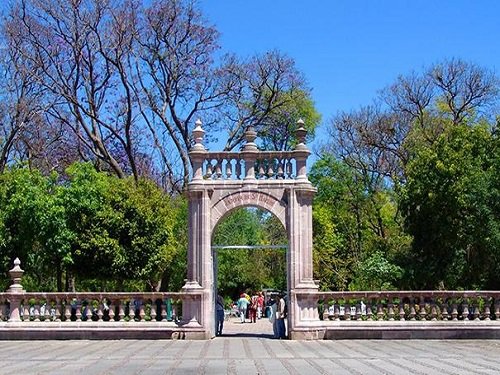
(41, 315)
(410, 305)
(91, 307)
(250, 163)
(267, 165)
(400, 315)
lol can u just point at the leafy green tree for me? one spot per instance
(452, 210)
(31, 227)
(351, 222)
(242, 269)
(277, 132)
(123, 230)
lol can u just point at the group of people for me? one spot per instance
(251, 305)
(254, 307)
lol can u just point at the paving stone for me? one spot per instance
(251, 355)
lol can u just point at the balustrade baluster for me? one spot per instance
(475, 310)
(78, 313)
(358, 314)
(112, 307)
(163, 311)
(88, 312)
(131, 311)
(347, 311)
(465, 311)
(46, 313)
(487, 311)
(208, 172)
(421, 310)
(229, 169)
(280, 174)
(369, 313)
(336, 311)
(454, 311)
(153, 311)
(270, 170)
(401, 306)
(413, 312)
(57, 310)
(237, 168)
(497, 308)
(433, 310)
(261, 173)
(121, 311)
(218, 170)
(26, 311)
(380, 311)
(36, 312)
(67, 311)
(100, 312)
(287, 168)
(142, 312)
(2, 311)
(390, 309)
(444, 310)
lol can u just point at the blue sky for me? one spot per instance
(348, 50)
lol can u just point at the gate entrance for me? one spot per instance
(265, 327)
(274, 181)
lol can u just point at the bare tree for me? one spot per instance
(77, 50)
(129, 79)
(377, 140)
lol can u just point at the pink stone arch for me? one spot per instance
(239, 199)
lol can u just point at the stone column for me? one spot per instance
(192, 304)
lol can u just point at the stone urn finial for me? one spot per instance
(16, 273)
(301, 132)
(198, 134)
(250, 136)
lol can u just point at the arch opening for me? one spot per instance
(249, 252)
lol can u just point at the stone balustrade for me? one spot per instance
(117, 315)
(419, 314)
(410, 306)
(91, 307)
(232, 166)
(250, 163)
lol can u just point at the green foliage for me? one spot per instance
(278, 133)
(376, 273)
(452, 204)
(241, 269)
(352, 221)
(90, 227)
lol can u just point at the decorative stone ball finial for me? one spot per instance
(198, 134)
(301, 132)
(16, 273)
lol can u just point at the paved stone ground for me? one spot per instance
(248, 349)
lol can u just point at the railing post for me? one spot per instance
(198, 151)
(301, 151)
(16, 291)
(249, 153)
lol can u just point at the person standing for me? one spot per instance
(280, 317)
(273, 306)
(252, 310)
(219, 310)
(260, 305)
(242, 306)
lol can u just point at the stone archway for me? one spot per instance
(274, 181)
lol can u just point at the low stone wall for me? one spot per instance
(96, 331)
